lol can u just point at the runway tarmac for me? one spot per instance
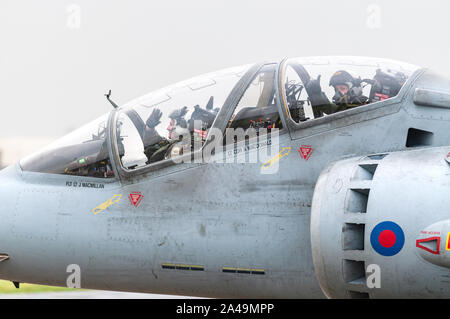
(90, 294)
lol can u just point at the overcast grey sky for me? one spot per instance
(58, 57)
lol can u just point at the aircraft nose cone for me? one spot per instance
(29, 223)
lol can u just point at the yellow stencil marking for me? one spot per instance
(243, 270)
(182, 266)
(258, 270)
(284, 152)
(448, 242)
(105, 205)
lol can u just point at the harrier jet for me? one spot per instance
(300, 178)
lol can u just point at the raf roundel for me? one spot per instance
(387, 238)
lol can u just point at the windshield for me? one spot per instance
(319, 86)
(171, 121)
(81, 153)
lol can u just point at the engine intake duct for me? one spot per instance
(380, 227)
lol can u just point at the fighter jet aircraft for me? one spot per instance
(346, 195)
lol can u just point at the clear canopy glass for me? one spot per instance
(83, 152)
(148, 128)
(171, 121)
(174, 120)
(318, 86)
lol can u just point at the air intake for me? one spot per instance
(418, 137)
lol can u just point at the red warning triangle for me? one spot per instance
(432, 242)
(305, 151)
(135, 198)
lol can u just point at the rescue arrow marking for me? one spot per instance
(284, 152)
(105, 205)
(425, 240)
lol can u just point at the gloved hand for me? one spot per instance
(154, 118)
(313, 86)
(210, 104)
(183, 111)
(178, 114)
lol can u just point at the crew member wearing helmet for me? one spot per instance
(151, 139)
(348, 90)
(156, 147)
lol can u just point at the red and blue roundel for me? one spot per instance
(387, 238)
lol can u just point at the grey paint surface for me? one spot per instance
(402, 190)
(214, 215)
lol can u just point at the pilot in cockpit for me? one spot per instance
(151, 139)
(157, 147)
(348, 93)
(348, 90)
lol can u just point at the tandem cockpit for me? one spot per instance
(179, 119)
(321, 86)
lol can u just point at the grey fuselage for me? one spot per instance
(217, 216)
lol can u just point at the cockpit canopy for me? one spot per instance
(150, 129)
(156, 126)
(147, 128)
(84, 152)
(318, 86)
